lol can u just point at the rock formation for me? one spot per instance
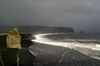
(13, 39)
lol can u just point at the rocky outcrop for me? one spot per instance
(38, 29)
(13, 39)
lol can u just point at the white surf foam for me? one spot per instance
(91, 48)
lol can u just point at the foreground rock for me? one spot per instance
(9, 55)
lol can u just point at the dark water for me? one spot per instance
(76, 37)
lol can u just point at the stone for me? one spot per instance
(13, 39)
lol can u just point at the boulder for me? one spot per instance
(13, 39)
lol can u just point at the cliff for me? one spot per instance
(31, 29)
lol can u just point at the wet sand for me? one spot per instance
(55, 55)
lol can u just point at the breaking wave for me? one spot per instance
(89, 49)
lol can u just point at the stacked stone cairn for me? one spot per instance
(13, 39)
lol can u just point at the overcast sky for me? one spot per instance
(79, 14)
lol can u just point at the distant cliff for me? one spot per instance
(43, 29)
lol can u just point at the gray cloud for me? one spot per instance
(66, 5)
(80, 14)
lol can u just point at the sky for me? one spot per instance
(82, 15)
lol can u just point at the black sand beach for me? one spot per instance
(39, 54)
